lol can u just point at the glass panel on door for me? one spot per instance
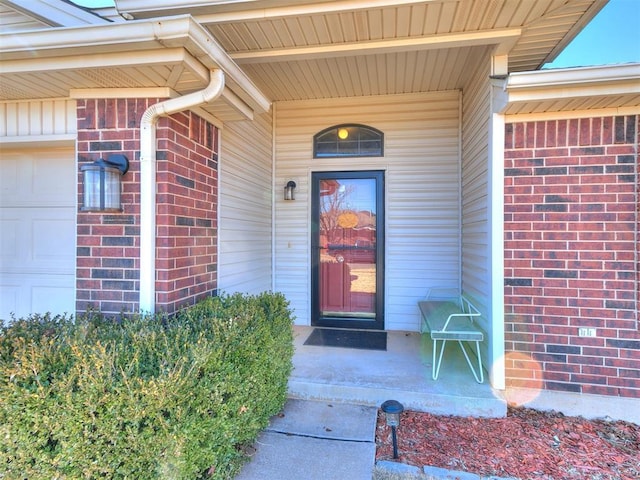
(347, 246)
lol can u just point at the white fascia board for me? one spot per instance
(544, 85)
(204, 47)
(152, 92)
(167, 56)
(504, 39)
(241, 10)
(51, 140)
(579, 76)
(146, 8)
(112, 37)
(56, 13)
(149, 36)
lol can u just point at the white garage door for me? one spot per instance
(38, 225)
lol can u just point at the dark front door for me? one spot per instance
(347, 249)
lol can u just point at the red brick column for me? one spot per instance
(108, 244)
(571, 249)
(187, 211)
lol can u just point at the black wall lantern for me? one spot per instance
(102, 183)
(290, 190)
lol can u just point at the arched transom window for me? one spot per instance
(348, 141)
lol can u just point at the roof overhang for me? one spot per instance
(54, 13)
(314, 49)
(279, 50)
(573, 89)
(173, 52)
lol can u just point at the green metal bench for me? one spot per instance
(451, 318)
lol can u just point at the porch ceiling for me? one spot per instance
(296, 50)
(381, 74)
(293, 50)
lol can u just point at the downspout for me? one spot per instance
(274, 192)
(148, 149)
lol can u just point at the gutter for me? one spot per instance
(148, 148)
(626, 73)
(544, 87)
(126, 39)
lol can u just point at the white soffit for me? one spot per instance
(329, 42)
(281, 43)
(44, 13)
(174, 52)
(573, 89)
(380, 74)
(295, 50)
(12, 20)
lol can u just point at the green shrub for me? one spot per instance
(170, 397)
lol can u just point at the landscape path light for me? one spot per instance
(392, 410)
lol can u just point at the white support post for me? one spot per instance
(496, 233)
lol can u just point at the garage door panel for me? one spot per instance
(24, 294)
(9, 240)
(48, 298)
(38, 219)
(51, 240)
(54, 241)
(9, 299)
(41, 179)
(60, 169)
(9, 183)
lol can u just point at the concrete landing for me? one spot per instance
(315, 441)
(402, 372)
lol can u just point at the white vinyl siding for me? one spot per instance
(476, 214)
(475, 154)
(245, 199)
(421, 165)
(45, 119)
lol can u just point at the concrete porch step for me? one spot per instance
(437, 403)
(402, 372)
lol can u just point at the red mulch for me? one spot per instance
(527, 444)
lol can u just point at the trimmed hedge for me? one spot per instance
(176, 397)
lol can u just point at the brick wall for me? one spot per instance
(108, 244)
(187, 211)
(571, 255)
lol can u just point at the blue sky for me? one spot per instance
(613, 36)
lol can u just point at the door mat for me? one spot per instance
(361, 339)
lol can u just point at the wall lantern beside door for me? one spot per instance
(102, 183)
(290, 190)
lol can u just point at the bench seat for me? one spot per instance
(451, 319)
(436, 313)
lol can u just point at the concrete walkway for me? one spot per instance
(327, 429)
(316, 440)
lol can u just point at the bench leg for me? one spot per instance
(479, 375)
(435, 369)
